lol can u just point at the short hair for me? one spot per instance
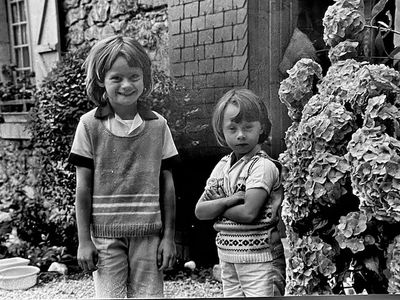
(102, 56)
(251, 108)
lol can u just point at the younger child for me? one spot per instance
(125, 198)
(243, 194)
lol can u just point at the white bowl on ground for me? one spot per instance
(18, 278)
(6, 263)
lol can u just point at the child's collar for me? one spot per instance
(104, 110)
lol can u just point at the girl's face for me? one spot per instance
(241, 137)
(124, 85)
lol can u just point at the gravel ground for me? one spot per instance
(51, 286)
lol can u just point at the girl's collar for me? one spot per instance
(104, 110)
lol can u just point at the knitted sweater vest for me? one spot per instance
(256, 242)
(126, 179)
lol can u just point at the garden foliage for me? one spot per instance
(342, 182)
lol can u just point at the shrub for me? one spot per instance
(342, 186)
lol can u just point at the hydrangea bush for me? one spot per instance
(342, 167)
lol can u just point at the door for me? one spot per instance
(45, 33)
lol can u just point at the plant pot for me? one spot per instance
(18, 278)
(6, 263)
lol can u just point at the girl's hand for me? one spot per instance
(215, 193)
(166, 254)
(87, 256)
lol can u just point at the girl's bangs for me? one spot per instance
(248, 111)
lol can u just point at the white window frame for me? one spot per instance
(20, 41)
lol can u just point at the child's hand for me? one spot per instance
(166, 254)
(87, 256)
(215, 193)
(238, 198)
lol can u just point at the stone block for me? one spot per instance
(206, 7)
(223, 34)
(215, 20)
(222, 5)
(191, 68)
(191, 10)
(230, 17)
(213, 50)
(223, 64)
(206, 66)
(206, 36)
(198, 23)
(191, 39)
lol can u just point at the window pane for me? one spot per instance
(17, 35)
(24, 39)
(14, 13)
(22, 16)
(18, 57)
(25, 57)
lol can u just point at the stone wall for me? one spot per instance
(209, 46)
(146, 20)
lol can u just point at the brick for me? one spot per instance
(215, 80)
(186, 81)
(199, 81)
(208, 96)
(241, 15)
(231, 79)
(223, 34)
(213, 50)
(215, 20)
(206, 66)
(191, 39)
(191, 10)
(239, 62)
(239, 31)
(243, 78)
(199, 23)
(191, 67)
(223, 64)
(241, 46)
(186, 25)
(230, 17)
(199, 52)
(206, 36)
(228, 48)
(219, 92)
(188, 54)
(175, 27)
(178, 69)
(173, 3)
(177, 41)
(222, 5)
(175, 55)
(239, 3)
(206, 7)
(175, 12)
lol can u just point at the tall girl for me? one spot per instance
(125, 197)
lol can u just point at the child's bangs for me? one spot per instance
(134, 58)
(248, 111)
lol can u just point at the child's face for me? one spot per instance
(241, 137)
(124, 85)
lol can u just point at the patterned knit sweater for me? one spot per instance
(126, 179)
(255, 242)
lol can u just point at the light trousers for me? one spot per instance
(266, 279)
(127, 267)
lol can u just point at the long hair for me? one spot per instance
(251, 108)
(102, 56)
